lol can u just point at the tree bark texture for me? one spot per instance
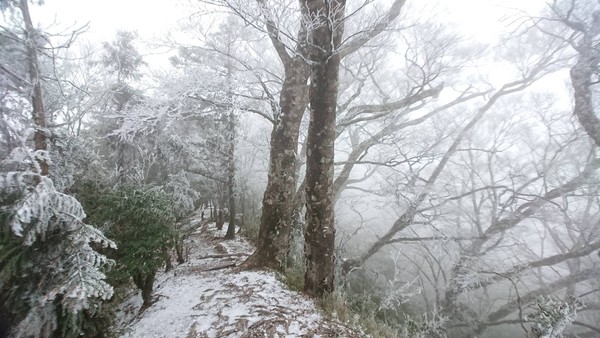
(326, 34)
(277, 207)
(39, 115)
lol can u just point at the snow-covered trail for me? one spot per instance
(193, 301)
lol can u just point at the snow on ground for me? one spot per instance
(194, 301)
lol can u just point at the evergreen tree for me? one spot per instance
(50, 274)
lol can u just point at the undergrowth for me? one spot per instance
(359, 312)
(362, 309)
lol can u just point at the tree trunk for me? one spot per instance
(179, 247)
(168, 262)
(220, 219)
(38, 114)
(243, 218)
(145, 282)
(298, 226)
(327, 17)
(231, 176)
(220, 215)
(277, 207)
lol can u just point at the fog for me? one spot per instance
(459, 196)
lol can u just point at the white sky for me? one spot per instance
(148, 17)
(481, 18)
(486, 18)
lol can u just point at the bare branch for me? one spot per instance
(273, 32)
(548, 261)
(387, 108)
(562, 283)
(352, 46)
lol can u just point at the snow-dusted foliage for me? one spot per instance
(72, 159)
(427, 326)
(46, 254)
(398, 291)
(553, 317)
(183, 195)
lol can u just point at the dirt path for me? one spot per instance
(194, 300)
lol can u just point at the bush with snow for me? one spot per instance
(51, 276)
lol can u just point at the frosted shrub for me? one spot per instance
(397, 291)
(181, 193)
(49, 272)
(425, 327)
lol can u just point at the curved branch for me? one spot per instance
(548, 261)
(387, 108)
(273, 32)
(510, 307)
(355, 44)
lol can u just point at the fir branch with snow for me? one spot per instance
(46, 255)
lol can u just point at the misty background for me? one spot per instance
(465, 171)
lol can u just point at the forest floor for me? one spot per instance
(200, 298)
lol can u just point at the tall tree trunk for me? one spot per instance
(275, 223)
(326, 35)
(231, 176)
(277, 207)
(39, 115)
